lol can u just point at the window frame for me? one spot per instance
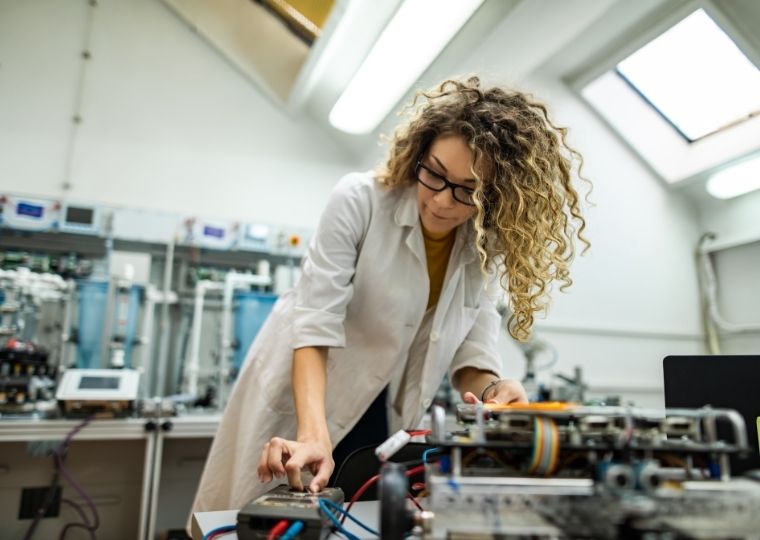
(644, 129)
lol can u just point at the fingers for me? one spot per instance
(281, 457)
(272, 457)
(509, 391)
(293, 469)
(470, 398)
(265, 475)
(322, 476)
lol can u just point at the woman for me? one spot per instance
(399, 287)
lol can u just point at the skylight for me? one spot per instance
(696, 77)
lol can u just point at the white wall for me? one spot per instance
(737, 271)
(635, 295)
(168, 123)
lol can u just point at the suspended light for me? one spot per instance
(415, 36)
(735, 180)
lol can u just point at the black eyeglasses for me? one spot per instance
(434, 181)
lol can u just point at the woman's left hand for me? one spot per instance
(505, 391)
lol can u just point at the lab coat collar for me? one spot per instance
(407, 214)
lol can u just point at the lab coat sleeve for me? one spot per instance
(478, 350)
(325, 287)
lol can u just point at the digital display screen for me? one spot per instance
(31, 210)
(214, 232)
(258, 232)
(99, 383)
(79, 216)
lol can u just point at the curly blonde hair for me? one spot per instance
(528, 212)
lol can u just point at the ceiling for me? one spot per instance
(509, 39)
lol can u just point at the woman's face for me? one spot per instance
(448, 157)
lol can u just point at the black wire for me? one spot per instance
(95, 517)
(45, 505)
(78, 508)
(59, 455)
(79, 525)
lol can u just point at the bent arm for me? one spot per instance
(312, 448)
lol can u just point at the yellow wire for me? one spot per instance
(538, 425)
(555, 448)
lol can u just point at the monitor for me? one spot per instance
(723, 382)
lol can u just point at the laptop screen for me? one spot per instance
(725, 382)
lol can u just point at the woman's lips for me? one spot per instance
(437, 216)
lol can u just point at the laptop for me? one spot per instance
(723, 382)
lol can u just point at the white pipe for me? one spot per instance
(163, 327)
(151, 295)
(232, 281)
(193, 360)
(65, 330)
(711, 297)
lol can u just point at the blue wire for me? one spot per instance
(336, 524)
(292, 531)
(337, 507)
(427, 452)
(224, 528)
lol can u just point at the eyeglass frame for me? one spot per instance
(446, 183)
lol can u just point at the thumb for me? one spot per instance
(320, 480)
(293, 469)
(470, 398)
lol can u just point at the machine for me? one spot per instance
(99, 392)
(557, 470)
(256, 519)
(176, 298)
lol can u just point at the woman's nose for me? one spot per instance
(444, 198)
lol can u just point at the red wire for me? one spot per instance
(359, 493)
(411, 498)
(368, 483)
(415, 433)
(278, 529)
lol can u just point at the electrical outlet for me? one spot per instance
(41, 448)
(32, 499)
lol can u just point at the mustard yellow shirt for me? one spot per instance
(437, 252)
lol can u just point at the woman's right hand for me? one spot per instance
(282, 457)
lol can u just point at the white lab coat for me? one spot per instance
(363, 293)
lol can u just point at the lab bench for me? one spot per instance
(141, 473)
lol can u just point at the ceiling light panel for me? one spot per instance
(415, 36)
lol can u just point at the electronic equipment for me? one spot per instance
(729, 382)
(26, 378)
(80, 219)
(256, 519)
(103, 392)
(211, 234)
(29, 214)
(256, 236)
(558, 470)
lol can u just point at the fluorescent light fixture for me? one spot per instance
(415, 36)
(735, 180)
(696, 77)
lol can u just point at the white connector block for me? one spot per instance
(392, 445)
